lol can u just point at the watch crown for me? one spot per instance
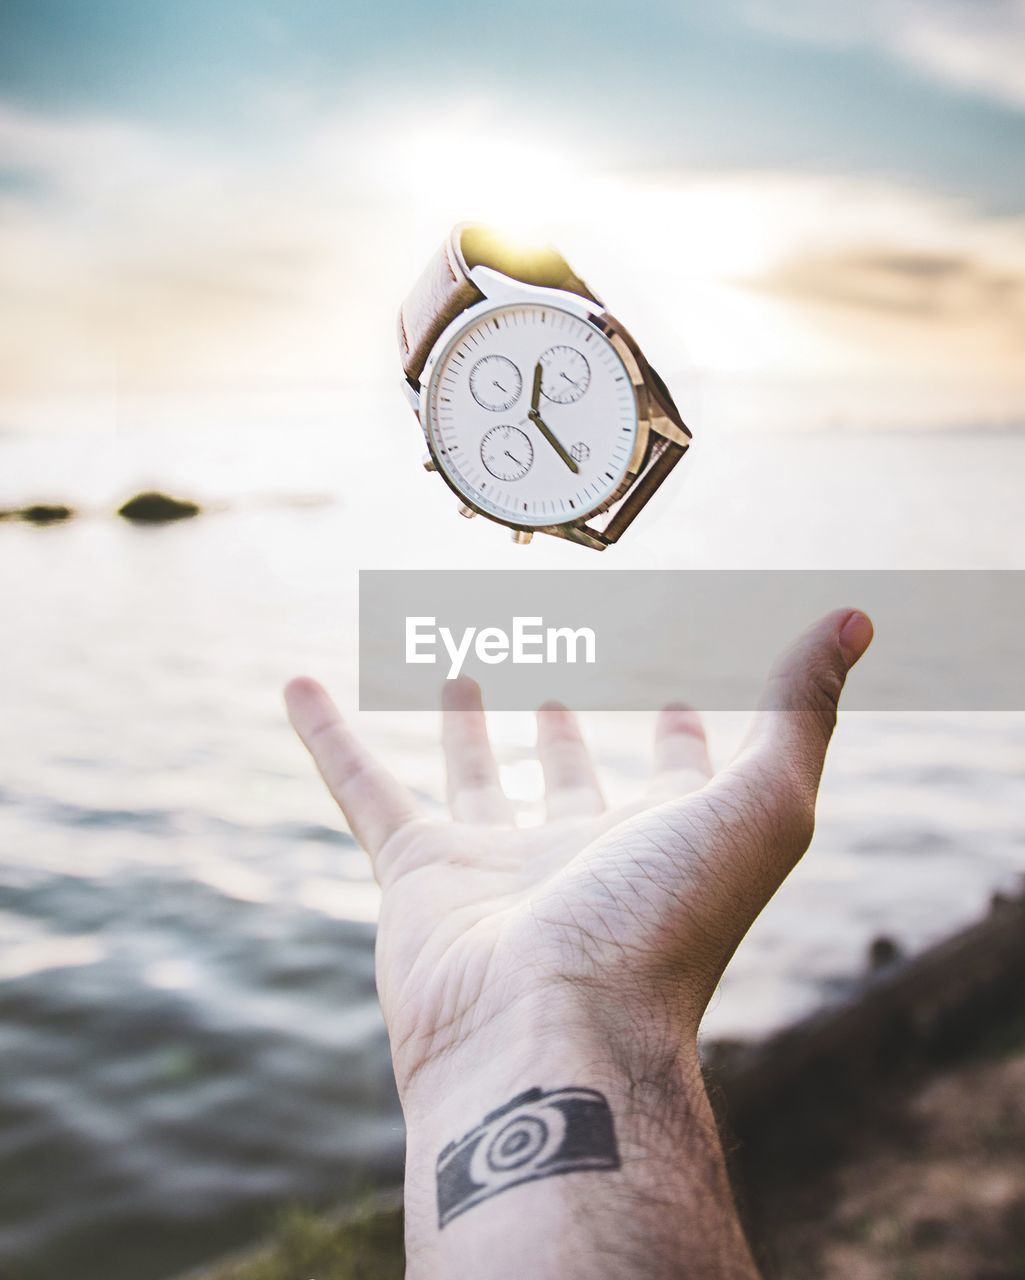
(429, 463)
(466, 511)
(522, 536)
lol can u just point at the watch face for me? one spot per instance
(531, 415)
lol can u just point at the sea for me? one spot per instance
(189, 1035)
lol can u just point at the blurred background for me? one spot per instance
(811, 215)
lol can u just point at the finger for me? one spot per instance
(474, 790)
(572, 789)
(793, 727)
(764, 802)
(374, 803)
(682, 762)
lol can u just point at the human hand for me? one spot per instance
(590, 944)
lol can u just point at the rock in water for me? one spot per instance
(882, 952)
(156, 508)
(40, 513)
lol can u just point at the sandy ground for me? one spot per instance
(931, 1186)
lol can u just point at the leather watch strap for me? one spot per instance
(638, 497)
(445, 288)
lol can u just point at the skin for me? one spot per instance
(581, 952)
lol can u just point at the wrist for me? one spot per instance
(614, 1042)
(648, 1128)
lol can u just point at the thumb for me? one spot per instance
(795, 721)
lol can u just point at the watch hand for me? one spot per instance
(535, 395)
(513, 458)
(546, 431)
(540, 423)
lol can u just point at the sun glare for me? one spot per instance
(690, 242)
(230, 273)
(486, 172)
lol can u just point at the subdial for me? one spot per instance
(495, 383)
(507, 453)
(565, 375)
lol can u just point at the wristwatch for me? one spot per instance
(538, 407)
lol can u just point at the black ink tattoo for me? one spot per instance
(536, 1135)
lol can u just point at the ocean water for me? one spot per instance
(189, 1036)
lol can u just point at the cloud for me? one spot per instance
(944, 288)
(133, 258)
(911, 284)
(136, 262)
(976, 46)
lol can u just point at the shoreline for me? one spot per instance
(799, 1100)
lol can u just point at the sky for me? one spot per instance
(819, 198)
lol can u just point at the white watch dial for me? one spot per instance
(568, 427)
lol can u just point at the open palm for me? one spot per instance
(484, 924)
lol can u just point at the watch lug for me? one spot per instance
(411, 390)
(666, 420)
(502, 290)
(668, 430)
(495, 286)
(577, 533)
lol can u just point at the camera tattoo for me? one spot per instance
(535, 1135)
